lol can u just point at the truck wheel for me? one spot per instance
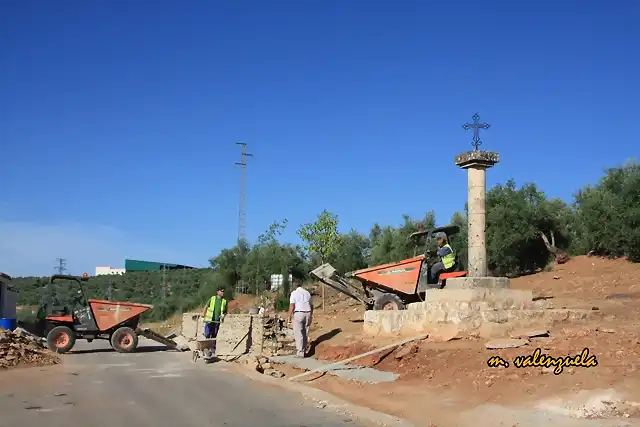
(388, 302)
(61, 339)
(124, 340)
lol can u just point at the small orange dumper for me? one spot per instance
(392, 286)
(91, 319)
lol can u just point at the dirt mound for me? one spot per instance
(586, 278)
(241, 303)
(18, 348)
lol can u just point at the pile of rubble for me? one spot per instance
(262, 365)
(277, 338)
(20, 347)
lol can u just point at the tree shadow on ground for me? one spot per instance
(322, 338)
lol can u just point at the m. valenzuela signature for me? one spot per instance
(540, 360)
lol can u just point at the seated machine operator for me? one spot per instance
(447, 261)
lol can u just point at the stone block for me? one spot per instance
(526, 318)
(477, 282)
(384, 321)
(511, 297)
(192, 327)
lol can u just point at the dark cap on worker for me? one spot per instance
(220, 288)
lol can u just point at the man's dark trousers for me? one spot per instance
(211, 329)
(437, 269)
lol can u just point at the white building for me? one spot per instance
(101, 271)
(277, 279)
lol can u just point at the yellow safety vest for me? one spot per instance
(212, 306)
(449, 260)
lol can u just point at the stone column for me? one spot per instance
(476, 221)
(477, 162)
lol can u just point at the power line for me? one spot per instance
(61, 266)
(243, 183)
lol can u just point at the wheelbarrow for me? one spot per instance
(203, 349)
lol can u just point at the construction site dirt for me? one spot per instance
(456, 370)
(446, 379)
(447, 376)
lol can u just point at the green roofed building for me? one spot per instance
(136, 265)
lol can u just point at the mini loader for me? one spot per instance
(61, 325)
(392, 286)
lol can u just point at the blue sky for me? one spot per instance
(118, 118)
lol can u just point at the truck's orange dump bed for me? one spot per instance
(110, 313)
(400, 276)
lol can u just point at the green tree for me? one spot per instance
(392, 244)
(352, 253)
(268, 256)
(608, 214)
(322, 238)
(515, 218)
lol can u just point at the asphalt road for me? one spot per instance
(97, 387)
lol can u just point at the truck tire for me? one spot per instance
(124, 340)
(388, 302)
(61, 339)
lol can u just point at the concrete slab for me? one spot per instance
(348, 372)
(477, 282)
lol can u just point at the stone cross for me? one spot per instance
(476, 162)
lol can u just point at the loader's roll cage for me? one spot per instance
(50, 300)
(447, 230)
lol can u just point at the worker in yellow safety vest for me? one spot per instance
(213, 314)
(447, 261)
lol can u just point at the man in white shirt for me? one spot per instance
(300, 312)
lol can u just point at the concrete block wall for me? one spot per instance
(235, 335)
(239, 333)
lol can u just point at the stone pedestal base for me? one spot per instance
(477, 282)
(489, 311)
(510, 297)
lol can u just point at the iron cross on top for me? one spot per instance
(476, 126)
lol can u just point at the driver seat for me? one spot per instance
(59, 310)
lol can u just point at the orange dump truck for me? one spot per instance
(90, 319)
